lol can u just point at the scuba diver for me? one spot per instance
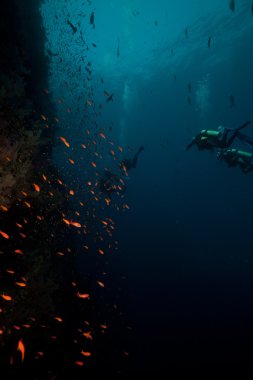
(130, 163)
(111, 183)
(222, 138)
(236, 157)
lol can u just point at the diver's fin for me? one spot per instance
(243, 125)
(245, 139)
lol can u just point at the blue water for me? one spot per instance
(186, 242)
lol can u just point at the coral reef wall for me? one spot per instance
(24, 133)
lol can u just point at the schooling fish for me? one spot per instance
(232, 5)
(209, 42)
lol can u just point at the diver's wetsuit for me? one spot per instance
(236, 157)
(111, 183)
(208, 139)
(131, 163)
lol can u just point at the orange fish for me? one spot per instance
(21, 284)
(6, 297)
(71, 161)
(76, 224)
(86, 353)
(21, 348)
(58, 319)
(79, 363)
(65, 141)
(101, 284)
(4, 208)
(101, 252)
(37, 188)
(88, 335)
(10, 271)
(102, 135)
(18, 251)
(83, 295)
(4, 235)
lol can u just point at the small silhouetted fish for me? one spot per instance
(155, 23)
(74, 28)
(189, 100)
(110, 98)
(92, 18)
(118, 49)
(94, 45)
(232, 100)
(232, 5)
(102, 80)
(209, 42)
(252, 8)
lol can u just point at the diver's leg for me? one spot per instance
(135, 158)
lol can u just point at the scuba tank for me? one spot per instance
(240, 153)
(210, 133)
(244, 154)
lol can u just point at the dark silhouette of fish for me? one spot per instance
(252, 8)
(209, 42)
(232, 5)
(110, 98)
(189, 100)
(118, 49)
(232, 100)
(92, 19)
(74, 28)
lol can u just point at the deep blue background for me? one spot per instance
(186, 242)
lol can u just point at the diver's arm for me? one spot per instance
(191, 144)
